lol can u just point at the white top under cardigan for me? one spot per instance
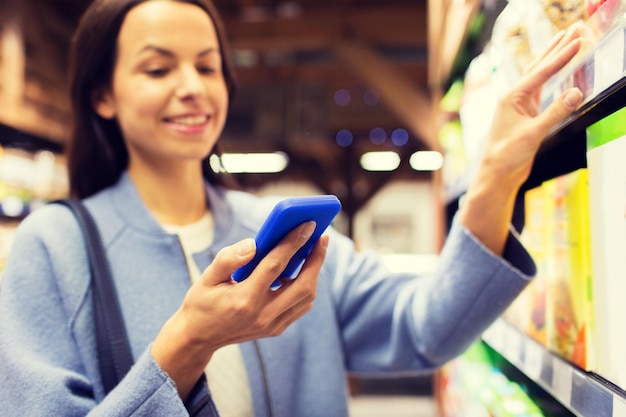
(226, 373)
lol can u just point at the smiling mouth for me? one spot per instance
(188, 120)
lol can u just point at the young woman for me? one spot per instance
(151, 86)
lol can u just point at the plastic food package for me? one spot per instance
(521, 32)
(564, 13)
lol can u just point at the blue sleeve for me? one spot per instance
(47, 348)
(393, 323)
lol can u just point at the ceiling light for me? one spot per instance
(289, 10)
(342, 97)
(410, 263)
(426, 161)
(378, 136)
(399, 137)
(251, 14)
(344, 138)
(248, 163)
(380, 161)
(245, 58)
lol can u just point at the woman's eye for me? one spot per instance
(206, 70)
(157, 72)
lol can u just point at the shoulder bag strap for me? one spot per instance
(114, 354)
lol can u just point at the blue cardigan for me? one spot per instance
(365, 319)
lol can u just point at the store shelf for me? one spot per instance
(15, 138)
(448, 28)
(604, 89)
(584, 393)
(601, 76)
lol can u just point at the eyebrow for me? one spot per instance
(168, 53)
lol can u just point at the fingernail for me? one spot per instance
(324, 241)
(245, 247)
(573, 98)
(576, 25)
(307, 230)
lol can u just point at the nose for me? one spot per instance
(190, 83)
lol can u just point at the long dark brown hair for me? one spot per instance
(96, 152)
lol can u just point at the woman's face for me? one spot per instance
(168, 92)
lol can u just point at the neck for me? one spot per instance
(174, 195)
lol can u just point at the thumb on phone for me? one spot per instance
(227, 261)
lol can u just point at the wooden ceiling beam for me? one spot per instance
(21, 101)
(333, 76)
(12, 66)
(30, 119)
(246, 3)
(436, 19)
(47, 38)
(321, 28)
(391, 25)
(448, 27)
(54, 98)
(50, 20)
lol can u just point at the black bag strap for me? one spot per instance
(114, 354)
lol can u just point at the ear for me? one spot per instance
(103, 103)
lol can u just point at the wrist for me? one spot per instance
(496, 175)
(178, 355)
(487, 208)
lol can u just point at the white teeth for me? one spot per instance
(189, 120)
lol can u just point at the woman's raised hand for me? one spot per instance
(518, 129)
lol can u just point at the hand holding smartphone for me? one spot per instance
(286, 215)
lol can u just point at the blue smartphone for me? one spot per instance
(285, 216)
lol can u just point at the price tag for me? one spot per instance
(533, 360)
(608, 59)
(489, 335)
(619, 407)
(562, 380)
(513, 347)
(495, 335)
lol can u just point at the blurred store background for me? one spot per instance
(358, 98)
